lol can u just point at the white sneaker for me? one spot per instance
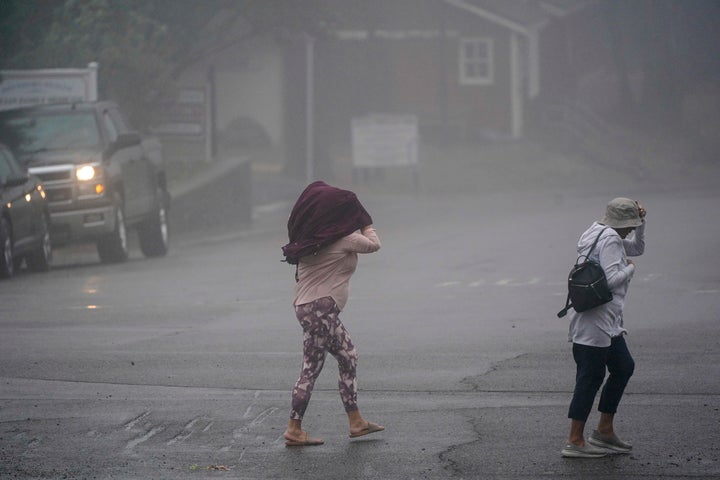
(611, 442)
(588, 451)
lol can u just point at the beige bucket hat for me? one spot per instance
(622, 213)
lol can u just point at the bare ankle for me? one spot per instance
(605, 425)
(294, 427)
(355, 419)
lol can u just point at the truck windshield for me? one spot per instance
(58, 131)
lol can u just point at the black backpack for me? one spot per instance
(587, 285)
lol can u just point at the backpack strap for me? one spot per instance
(587, 255)
(568, 306)
(565, 309)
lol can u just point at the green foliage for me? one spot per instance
(142, 46)
(22, 23)
(132, 49)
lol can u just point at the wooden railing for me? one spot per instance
(577, 128)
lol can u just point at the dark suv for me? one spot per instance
(101, 177)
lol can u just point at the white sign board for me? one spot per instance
(384, 140)
(185, 115)
(21, 88)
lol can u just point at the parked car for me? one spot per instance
(101, 176)
(24, 219)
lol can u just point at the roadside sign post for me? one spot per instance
(386, 140)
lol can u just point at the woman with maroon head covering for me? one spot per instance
(327, 229)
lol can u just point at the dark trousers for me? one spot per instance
(591, 364)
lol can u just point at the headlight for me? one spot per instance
(90, 178)
(85, 173)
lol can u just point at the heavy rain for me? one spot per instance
(156, 150)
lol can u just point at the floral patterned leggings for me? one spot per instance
(323, 332)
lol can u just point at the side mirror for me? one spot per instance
(124, 140)
(15, 180)
(129, 139)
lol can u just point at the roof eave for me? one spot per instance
(563, 12)
(497, 19)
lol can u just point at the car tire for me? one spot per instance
(153, 233)
(113, 247)
(41, 257)
(7, 262)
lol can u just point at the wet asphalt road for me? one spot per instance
(181, 367)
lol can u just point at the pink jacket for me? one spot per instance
(327, 273)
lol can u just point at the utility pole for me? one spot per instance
(309, 108)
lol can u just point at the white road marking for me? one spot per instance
(131, 424)
(143, 438)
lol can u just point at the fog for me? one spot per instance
(416, 96)
(471, 96)
(483, 136)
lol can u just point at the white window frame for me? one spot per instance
(466, 75)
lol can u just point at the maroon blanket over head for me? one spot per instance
(322, 215)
